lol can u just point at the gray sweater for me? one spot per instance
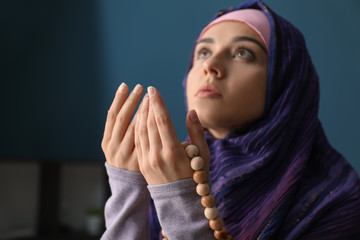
(179, 209)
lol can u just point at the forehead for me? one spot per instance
(227, 30)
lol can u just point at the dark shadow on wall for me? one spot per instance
(51, 115)
(51, 80)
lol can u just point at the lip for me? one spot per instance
(208, 90)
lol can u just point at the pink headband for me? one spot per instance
(255, 19)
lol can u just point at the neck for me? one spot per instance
(221, 133)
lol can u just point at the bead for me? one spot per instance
(185, 144)
(200, 176)
(203, 189)
(221, 235)
(163, 233)
(208, 200)
(192, 151)
(197, 163)
(216, 224)
(211, 213)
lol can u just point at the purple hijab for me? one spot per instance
(282, 179)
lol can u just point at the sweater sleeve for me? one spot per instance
(179, 210)
(126, 211)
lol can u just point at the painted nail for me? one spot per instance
(122, 87)
(151, 91)
(137, 88)
(193, 116)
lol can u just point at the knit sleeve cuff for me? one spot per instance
(172, 189)
(117, 174)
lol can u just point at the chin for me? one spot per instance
(208, 119)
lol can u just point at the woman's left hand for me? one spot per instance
(161, 156)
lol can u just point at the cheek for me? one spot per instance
(249, 91)
(257, 98)
(190, 88)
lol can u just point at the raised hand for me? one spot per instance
(197, 137)
(118, 140)
(161, 157)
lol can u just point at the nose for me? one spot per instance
(215, 67)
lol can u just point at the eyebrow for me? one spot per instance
(236, 39)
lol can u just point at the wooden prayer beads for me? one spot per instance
(203, 189)
(200, 176)
(197, 163)
(192, 151)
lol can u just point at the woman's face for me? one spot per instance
(227, 83)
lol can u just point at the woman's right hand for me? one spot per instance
(118, 140)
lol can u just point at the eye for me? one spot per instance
(204, 53)
(244, 54)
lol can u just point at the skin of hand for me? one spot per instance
(118, 142)
(161, 157)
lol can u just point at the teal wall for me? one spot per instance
(63, 61)
(50, 79)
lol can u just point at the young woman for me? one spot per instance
(253, 96)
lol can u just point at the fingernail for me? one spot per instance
(151, 91)
(146, 99)
(137, 88)
(122, 87)
(193, 116)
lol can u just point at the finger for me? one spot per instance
(154, 137)
(128, 142)
(128, 146)
(142, 131)
(197, 136)
(163, 121)
(124, 116)
(118, 101)
(136, 136)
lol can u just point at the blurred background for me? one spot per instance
(62, 61)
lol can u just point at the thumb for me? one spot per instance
(197, 136)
